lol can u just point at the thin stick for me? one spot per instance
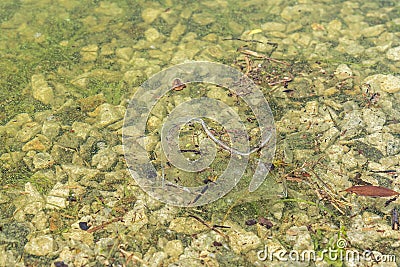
(258, 55)
(209, 226)
(96, 228)
(228, 148)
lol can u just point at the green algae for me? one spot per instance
(48, 56)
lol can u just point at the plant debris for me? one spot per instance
(371, 191)
(265, 222)
(251, 222)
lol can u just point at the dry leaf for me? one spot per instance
(372, 191)
(177, 85)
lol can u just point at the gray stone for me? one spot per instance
(81, 129)
(107, 49)
(384, 42)
(28, 158)
(343, 72)
(152, 34)
(273, 26)
(235, 27)
(240, 240)
(349, 46)
(393, 147)
(19, 120)
(132, 76)
(89, 53)
(150, 14)
(157, 259)
(57, 197)
(103, 245)
(393, 53)
(290, 13)
(4, 198)
(216, 51)
(51, 129)
(186, 13)
(203, 18)
(77, 173)
(136, 218)
(374, 119)
(373, 31)
(124, 53)
(68, 140)
(40, 221)
(28, 131)
(42, 160)
(62, 154)
(163, 215)
(328, 137)
(12, 159)
(385, 83)
(31, 202)
(107, 114)
(333, 29)
(187, 225)
(391, 84)
(104, 159)
(108, 8)
(174, 248)
(153, 123)
(177, 31)
(352, 124)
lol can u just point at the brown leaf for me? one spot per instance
(265, 222)
(177, 85)
(372, 191)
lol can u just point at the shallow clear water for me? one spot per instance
(328, 69)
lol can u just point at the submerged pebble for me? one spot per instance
(41, 89)
(339, 115)
(40, 246)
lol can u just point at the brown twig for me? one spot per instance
(99, 227)
(211, 227)
(261, 56)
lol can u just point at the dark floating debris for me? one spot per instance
(372, 191)
(217, 244)
(265, 222)
(84, 226)
(250, 222)
(60, 264)
(288, 91)
(390, 201)
(177, 85)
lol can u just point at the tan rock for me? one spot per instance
(89, 53)
(174, 248)
(41, 90)
(39, 143)
(187, 225)
(152, 34)
(150, 14)
(393, 53)
(385, 83)
(40, 246)
(240, 240)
